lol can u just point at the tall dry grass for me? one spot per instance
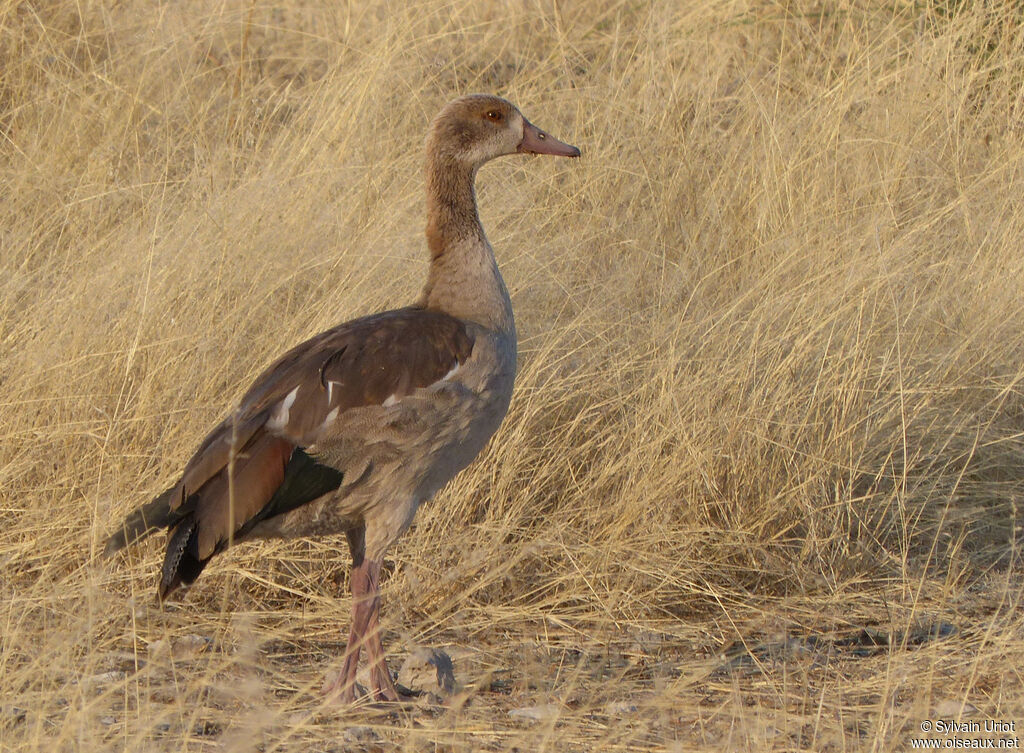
(770, 379)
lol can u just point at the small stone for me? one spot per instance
(332, 676)
(106, 721)
(206, 729)
(535, 713)
(103, 678)
(330, 679)
(952, 709)
(647, 642)
(14, 713)
(618, 708)
(359, 734)
(189, 646)
(429, 670)
(181, 648)
(364, 679)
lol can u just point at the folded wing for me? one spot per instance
(252, 465)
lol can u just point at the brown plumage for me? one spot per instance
(351, 430)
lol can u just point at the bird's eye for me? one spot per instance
(493, 115)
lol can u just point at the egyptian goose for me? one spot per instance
(353, 429)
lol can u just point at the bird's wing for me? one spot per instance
(252, 467)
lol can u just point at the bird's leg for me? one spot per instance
(365, 630)
(361, 617)
(383, 685)
(362, 613)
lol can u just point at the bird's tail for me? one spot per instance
(150, 517)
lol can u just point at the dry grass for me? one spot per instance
(772, 336)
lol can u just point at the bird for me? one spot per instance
(353, 429)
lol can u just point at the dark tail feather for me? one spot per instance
(181, 563)
(137, 526)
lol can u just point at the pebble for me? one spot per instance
(15, 713)
(535, 713)
(952, 709)
(180, 648)
(429, 670)
(359, 734)
(103, 678)
(618, 708)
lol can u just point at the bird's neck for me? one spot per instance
(463, 280)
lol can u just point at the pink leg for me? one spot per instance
(383, 686)
(361, 614)
(380, 676)
(365, 629)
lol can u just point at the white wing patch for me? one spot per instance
(392, 400)
(451, 372)
(329, 419)
(279, 418)
(330, 390)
